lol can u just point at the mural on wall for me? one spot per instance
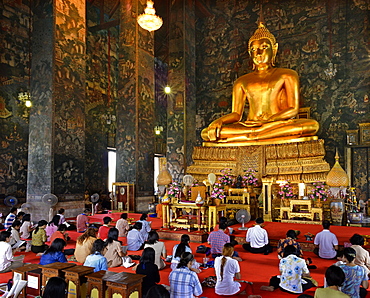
(69, 96)
(14, 115)
(181, 104)
(101, 80)
(135, 139)
(327, 43)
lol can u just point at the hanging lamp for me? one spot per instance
(149, 20)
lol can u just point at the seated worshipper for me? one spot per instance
(84, 244)
(96, 259)
(54, 253)
(10, 218)
(15, 239)
(135, 239)
(122, 225)
(62, 234)
(52, 226)
(82, 221)
(334, 276)
(158, 291)
(217, 240)
(62, 220)
(7, 261)
(145, 229)
(326, 242)
(184, 282)
(113, 252)
(362, 255)
(148, 268)
(294, 275)
(104, 229)
(179, 249)
(159, 249)
(228, 271)
(56, 287)
(355, 275)
(228, 230)
(39, 238)
(257, 239)
(20, 216)
(290, 239)
(26, 227)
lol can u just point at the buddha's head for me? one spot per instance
(262, 41)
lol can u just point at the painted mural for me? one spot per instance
(69, 96)
(326, 42)
(14, 79)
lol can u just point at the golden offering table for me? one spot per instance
(300, 209)
(213, 215)
(189, 220)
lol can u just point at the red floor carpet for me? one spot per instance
(255, 268)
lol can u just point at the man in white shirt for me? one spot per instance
(326, 243)
(257, 239)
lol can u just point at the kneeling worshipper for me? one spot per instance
(96, 259)
(257, 239)
(54, 253)
(294, 276)
(334, 277)
(7, 261)
(135, 239)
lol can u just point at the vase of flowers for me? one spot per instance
(218, 193)
(319, 194)
(226, 177)
(250, 179)
(286, 193)
(174, 191)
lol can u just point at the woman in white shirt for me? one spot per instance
(26, 227)
(227, 271)
(6, 255)
(15, 239)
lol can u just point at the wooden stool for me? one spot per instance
(54, 269)
(34, 283)
(96, 284)
(76, 280)
(124, 284)
(21, 274)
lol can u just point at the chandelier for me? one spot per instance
(148, 20)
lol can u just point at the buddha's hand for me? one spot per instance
(214, 130)
(253, 123)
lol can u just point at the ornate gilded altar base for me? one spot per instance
(299, 161)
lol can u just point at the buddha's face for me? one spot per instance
(261, 51)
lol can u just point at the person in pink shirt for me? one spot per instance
(52, 226)
(82, 221)
(104, 229)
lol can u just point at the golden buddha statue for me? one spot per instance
(273, 96)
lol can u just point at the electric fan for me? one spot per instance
(26, 208)
(50, 200)
(10, 201)
(243, 217)
(94, 200)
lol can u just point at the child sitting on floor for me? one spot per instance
(96, 259)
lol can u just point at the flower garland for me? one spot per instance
(249, 177)
(226, 177)
(218, 191)
(174, 189)
(286, 191)
(318, 192)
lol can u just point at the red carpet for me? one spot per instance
(255, 267)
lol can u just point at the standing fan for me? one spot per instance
(50, 200)
(26, 208)
(10, 201)
(94, 200)
(243, 217)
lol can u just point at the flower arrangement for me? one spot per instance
(318, 192)
(249, 177)
(226, 178)
(218, 191)
(286, 191)
(174, 189)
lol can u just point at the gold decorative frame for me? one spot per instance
(352, 137)
(364, 133)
